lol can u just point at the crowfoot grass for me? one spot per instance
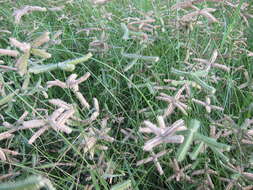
(90, 157)
(195, 77)
(207, 105)
(192, 134)
(56, 121)
(163, 134)
(174, 102)
(179, 173)
(73, 84)
(27, 50)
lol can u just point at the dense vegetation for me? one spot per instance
(126, 94)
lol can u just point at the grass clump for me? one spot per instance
(183, 65)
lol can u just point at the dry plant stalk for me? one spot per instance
(247, 134)
(73, 84)
(129, 34)
(239, 174)
(30, 183)
(89, 30)
(76, 120)
(250, 54)
(187, 83)
(164, 134)
(59, 8)
(94, 114)
(3, 177)
(207, 182)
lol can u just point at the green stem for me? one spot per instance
(68, 65)
(142, 57)
(184, 148)
(8, 98)
(211, 142)
(126, 31)
(77, 60)
(220, 154)
(122, 186)
(196, 151)
(42, 68)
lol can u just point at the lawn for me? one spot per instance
(126, 94)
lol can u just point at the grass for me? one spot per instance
(60, 157)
